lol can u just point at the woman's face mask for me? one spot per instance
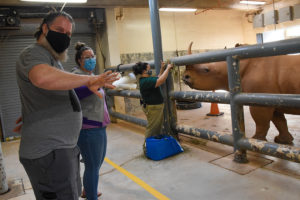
(89, 64)
(58, 41)
(149, 72)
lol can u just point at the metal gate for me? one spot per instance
(236, 99)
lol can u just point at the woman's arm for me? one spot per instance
(83, 92)
(164, 76)
(162, 68)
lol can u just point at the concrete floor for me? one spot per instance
(203, 171)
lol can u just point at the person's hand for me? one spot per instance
(106, 79)
(17, 129)
(112, 78)
(109, 86)
(170, 66)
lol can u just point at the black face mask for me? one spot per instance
(149, 72)
(58, 41)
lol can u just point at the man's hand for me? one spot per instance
(17, 129)
(109, 86)
(112, 78)
(106, 79)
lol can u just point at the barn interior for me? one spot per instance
(120, 33)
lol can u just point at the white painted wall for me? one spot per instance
(213, 29)
(112, 34)
(281, 31)
(284, 25)
(280, 4)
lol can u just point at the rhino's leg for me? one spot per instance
(262, 117)
(284, 136)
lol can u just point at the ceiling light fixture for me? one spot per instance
(178, 9)
(253, 2)
(57, 1)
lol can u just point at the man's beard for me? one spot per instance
(62, 57)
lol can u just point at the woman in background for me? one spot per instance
(92, 140)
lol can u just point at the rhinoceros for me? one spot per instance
(275, 74)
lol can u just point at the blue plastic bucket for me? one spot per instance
(160, 147)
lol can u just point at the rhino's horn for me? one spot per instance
(190, 48)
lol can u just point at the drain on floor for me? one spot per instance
(281, 166)
(254, 163)
(16, 189)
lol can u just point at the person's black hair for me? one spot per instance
(139, 68)
(50, 17)
(80, 47)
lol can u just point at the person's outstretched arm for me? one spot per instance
(50, 78)
(164, 76)
(162, 68)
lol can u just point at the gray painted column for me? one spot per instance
(156, 34)
(237, 112)
(112, 34)
(3, 181)
(169, 114)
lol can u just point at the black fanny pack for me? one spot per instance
(142, 103)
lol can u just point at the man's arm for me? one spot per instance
(50, 78)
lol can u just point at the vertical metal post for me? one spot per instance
(110, 103)
(169, 114)
(237, 112)
(3, 181)
(156, 34)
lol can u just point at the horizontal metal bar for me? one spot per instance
(215, 97)
(205, 134)
(251, 99)
(260, 99)
(277, 150)
(124, 93)
(248, 51)
(128, 67)
(128, 118)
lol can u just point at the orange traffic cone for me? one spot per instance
(214, 110)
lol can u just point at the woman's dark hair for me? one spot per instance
(139, 67)
(50, 17)
(80, 47)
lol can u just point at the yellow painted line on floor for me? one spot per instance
(138, 181)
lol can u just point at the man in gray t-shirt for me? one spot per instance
(51, 112)
(49, 119)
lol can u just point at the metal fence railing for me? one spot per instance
(235, 98)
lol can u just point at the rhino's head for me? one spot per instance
(207, 76)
